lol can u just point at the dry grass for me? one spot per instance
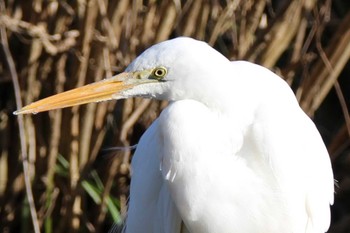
(59, 45)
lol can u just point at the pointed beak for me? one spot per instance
(95, 92)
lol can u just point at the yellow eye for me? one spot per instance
(159, 72)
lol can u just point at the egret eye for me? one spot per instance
(159, 72)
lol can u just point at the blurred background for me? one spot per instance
(79, 179)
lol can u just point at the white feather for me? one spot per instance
(233, 152)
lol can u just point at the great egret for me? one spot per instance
(233, 151)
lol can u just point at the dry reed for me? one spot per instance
(59, 45)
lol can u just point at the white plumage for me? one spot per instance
(233, 151)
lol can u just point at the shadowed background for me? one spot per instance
(79, 181)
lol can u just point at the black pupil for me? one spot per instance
(159, 72)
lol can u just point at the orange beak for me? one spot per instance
(94, 92)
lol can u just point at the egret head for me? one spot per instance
(175, 69)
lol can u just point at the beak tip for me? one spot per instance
(23, 111)
(17, 112)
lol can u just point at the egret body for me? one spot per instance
(233, 151)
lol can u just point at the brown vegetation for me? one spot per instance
(51, 46)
